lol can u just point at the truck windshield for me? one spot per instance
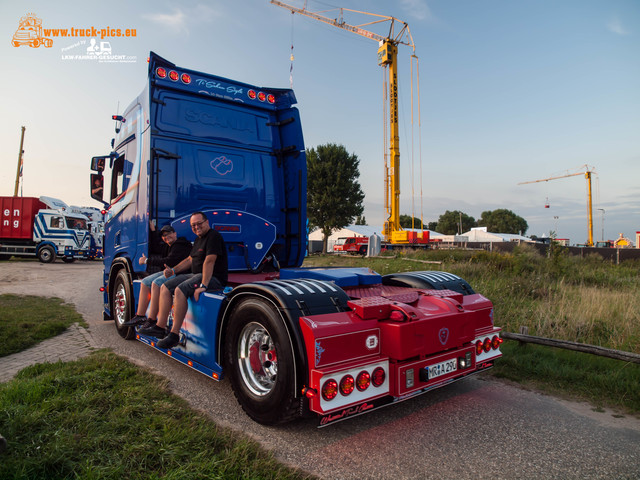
(76, 223)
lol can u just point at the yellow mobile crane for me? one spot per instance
(587, 175)
(387, 58)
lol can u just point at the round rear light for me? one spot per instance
(262, 96)
(495, 342)
(161, 72)
(252, 94)
(479, 347)
(330, 389)
(363, 380)
(271, 98)
(347, 384)
(186, 78)
(173, 75)
(487, 344)
(378, 376)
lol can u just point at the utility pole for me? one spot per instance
(15, 191)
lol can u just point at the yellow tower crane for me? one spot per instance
(587, 174)
(399, 34)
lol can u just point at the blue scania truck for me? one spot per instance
(335, 342)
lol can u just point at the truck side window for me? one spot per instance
(56, 222)
(117, 177)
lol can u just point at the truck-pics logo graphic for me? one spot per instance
(222, 165)
(30, 33)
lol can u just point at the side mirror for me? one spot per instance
(97, 186)
(97, 164)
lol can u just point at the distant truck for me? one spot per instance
(42, 228)
(360, 245)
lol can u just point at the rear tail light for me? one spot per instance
(173, 75)
(347, 384)
(495, 342)
(330, 389)
(487, 344)
(479, 347)
(378, 376)
(363, 380)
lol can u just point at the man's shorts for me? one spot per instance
(158, 278)
(188, 283)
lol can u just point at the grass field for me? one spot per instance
(27, 320)
(103, 418)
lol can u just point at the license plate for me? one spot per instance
(442, 368)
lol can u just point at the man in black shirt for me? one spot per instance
(175, 250)
(208, 266)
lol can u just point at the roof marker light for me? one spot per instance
(252, 94)
(262, 96)
(173, 75)
(186, 78)
(271, 98)
(161, 72)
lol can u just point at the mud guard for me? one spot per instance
(429, 279)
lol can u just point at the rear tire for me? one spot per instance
(122, 305)
(260, 364)
(46, 254)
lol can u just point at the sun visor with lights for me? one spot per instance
(166, 74)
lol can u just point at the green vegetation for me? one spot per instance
(104, 418)
(585, 300)
(27, 320)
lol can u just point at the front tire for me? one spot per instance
(122, 305)
(46, 254)
(259, 361)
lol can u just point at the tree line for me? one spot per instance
(335, 199)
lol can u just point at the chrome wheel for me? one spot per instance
(120, 304)
(257, 359)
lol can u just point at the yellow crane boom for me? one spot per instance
(587, 175)
(399, 34)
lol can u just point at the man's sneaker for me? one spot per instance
(149, 323)
(170, 341)
(154, 331)
(135, 321)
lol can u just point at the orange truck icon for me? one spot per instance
(30, 33)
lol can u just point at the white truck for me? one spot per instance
(43, 227)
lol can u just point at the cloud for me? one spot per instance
(179, 20)
(615, 25)
(418, 9)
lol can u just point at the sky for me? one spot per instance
(509, 92)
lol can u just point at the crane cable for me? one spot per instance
(291, 58)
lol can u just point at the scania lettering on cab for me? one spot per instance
(292, 341)
(43, 228)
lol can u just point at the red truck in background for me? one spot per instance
(32, 226)
(359, 245)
